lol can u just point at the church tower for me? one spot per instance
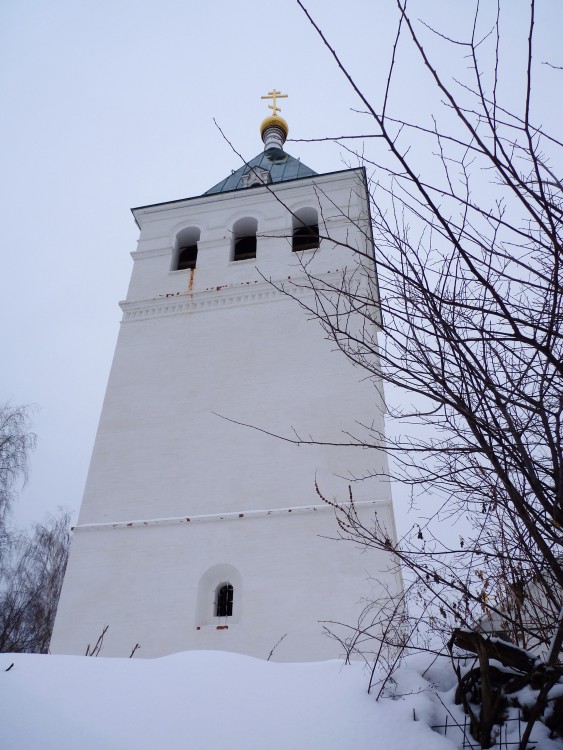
(198, 528)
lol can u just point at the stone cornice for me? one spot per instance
(248, 293)
(257, 194)
(215, 517)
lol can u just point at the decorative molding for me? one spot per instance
(153, 252)
(342, 179)
(256, 176)
(247, 293)
(213, 517)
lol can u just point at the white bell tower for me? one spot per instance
(195, 531)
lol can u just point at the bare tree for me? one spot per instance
(467, 228)
(16, 442)
(30, 585)
(31, 567)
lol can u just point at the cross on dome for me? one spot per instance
(274, 129)
(274, 95)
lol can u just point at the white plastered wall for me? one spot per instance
(197, 349)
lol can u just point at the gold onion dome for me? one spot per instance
(274, 121)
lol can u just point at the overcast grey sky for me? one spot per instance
(110, 104)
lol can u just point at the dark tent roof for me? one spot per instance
(280, 165)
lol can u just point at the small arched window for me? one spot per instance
(244, 239)
(224, 600)
(186, 249)
(305, 230)
(215, 596)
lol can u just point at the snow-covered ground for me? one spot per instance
(216, 700)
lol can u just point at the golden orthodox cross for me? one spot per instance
(273, 95)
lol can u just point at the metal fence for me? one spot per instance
(460, 733)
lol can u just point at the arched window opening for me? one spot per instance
(224, 600)
(186, 249)
(245, 248)
(305, 230)
(244, 239)
(187, 257)
(212, 607)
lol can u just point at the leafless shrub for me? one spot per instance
(31, 581)
(465, 320)
(95, 650)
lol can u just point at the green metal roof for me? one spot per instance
(281, 166)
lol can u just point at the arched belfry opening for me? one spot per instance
(305, 230)
(185, 256)
(244, 239)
